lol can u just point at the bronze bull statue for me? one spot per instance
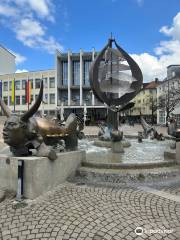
(26, 132)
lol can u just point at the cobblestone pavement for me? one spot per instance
(91, 213)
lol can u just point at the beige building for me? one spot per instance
(145, 103)
(50, 97)
(7, 61)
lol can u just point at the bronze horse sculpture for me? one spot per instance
(26, 132)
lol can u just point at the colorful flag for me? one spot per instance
(13, 91)
(28, 91)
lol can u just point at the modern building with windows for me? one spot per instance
(74, 93)
(66, 88)
(49, 99)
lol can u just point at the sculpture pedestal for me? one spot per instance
(178, 152)
(40, 173)
(117, 147)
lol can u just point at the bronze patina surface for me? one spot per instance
(25, 132)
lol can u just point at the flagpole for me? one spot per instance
(28, 92)
(14, 95)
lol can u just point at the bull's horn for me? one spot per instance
(35, 107)
(5, 108)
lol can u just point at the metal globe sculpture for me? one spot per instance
(108, 78)
(115, 79)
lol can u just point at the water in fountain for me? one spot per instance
(147, 151)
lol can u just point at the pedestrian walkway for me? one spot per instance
(71, 212)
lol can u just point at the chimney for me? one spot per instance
(156, 80)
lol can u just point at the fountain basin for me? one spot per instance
(148, 152)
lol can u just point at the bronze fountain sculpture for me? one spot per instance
(26, 132)
(113, 86)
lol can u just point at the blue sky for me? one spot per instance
(148, 29)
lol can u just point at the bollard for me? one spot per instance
(20, 180)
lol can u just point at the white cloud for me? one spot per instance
(19, 58)
(167, 53)
(21, 70)
(140, 2)
(27, 19)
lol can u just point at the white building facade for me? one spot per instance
(49, 99)
(171, 82)
(74, 93)
(66, 88)
(7, 61)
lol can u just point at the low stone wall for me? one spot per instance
(40, 173)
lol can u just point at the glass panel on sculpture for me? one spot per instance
(117, 83)
(76, 73)
(64, 73)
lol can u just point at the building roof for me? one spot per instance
(152, 85)
(173, 65)
(1, 46)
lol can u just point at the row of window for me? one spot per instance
(21, 84)
(22, 99)
(75, 72)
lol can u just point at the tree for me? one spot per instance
(168, 101)
(152, 102)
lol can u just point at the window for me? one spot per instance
(5, 88)
(23, 99)
(64, 73)
(52, 82)
(37, 83)
(76, 73)
(6, 100)
(23, 84)
(52, 98)
(17, 85)
(17, 100)
(86, 68)
(10, 85)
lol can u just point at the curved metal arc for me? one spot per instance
(136, 71)
(35, 106)
(95, 85)
(5, 108)
(94, 77)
